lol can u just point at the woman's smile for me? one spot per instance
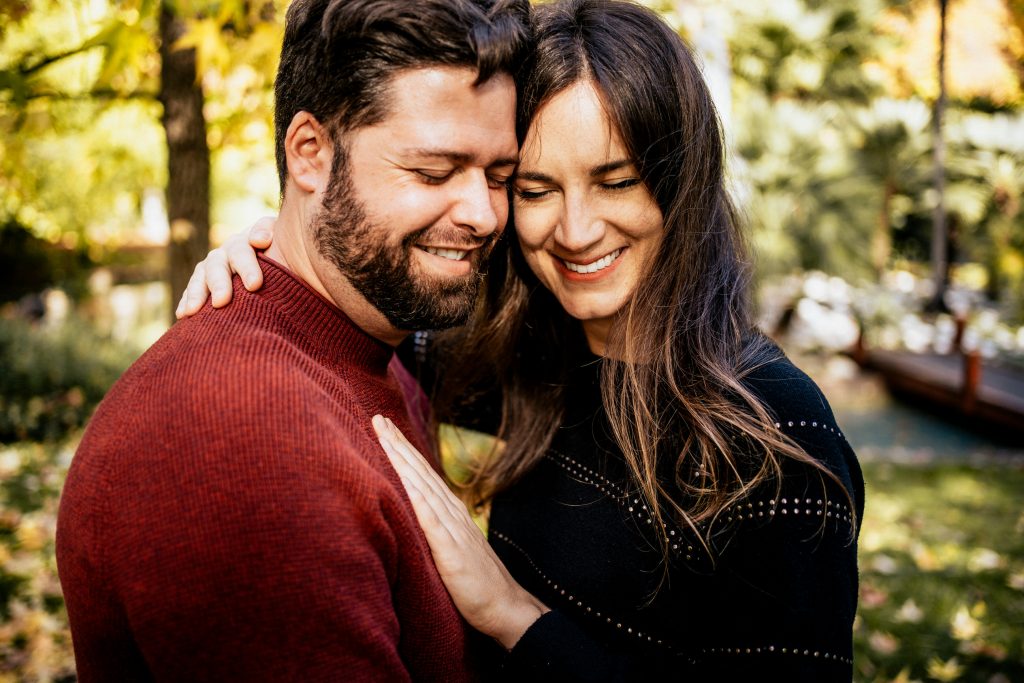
(588, 271)
(587, 224)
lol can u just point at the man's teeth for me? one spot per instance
(450, 254)
(599, 264)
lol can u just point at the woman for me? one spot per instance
(673, 496)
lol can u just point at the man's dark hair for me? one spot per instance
(339, 56)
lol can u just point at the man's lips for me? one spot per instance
(450, 253)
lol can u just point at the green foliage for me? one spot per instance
(839, 178)
(81, 143)
(53, 376)
(942, 574)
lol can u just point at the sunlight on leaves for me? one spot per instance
(948, 670)
(883, 643)
(964, 625)
(985, 559)
(909, 612)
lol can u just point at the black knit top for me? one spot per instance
(776, 597)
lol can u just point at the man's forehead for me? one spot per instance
(442, 113)
(451, 93)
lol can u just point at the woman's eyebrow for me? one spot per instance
(533, 175)
(610, 166)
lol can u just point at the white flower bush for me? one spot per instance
(816, 312)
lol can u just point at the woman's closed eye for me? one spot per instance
(622, 184)
(527, 194)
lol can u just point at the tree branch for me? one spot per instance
(100, 94)
(51, 59)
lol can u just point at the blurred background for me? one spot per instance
(877, 149)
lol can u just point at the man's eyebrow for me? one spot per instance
(610, 166)
(455, 156)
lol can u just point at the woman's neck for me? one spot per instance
(596, 331)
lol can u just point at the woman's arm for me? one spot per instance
(480, 585)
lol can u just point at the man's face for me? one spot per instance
(416, 202)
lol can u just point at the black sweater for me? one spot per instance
(777, 599)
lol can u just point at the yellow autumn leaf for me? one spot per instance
(949, 670)
(964, 626)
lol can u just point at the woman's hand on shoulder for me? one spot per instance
(480, 585)
(212, 276)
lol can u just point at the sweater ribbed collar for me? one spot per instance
(328, 332)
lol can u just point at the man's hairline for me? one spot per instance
(337, 133)
(384, 101)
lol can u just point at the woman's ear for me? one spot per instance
(308, 153)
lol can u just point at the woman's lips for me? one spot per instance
(586, 272)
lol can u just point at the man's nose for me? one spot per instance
(474, 207)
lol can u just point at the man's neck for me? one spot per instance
(294, 248)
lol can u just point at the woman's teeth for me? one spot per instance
(450, 254)
(599, 264)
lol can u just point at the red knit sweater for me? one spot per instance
(230, 515)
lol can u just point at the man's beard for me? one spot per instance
(381, 273)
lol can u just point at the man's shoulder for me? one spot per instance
(234, 385)
(207, 356)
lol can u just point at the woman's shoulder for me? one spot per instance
(802, 412)
(788, 393)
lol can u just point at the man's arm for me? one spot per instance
(256, 549)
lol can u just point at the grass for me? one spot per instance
(942, 574)
(942, 571)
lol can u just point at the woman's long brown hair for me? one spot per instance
(686, 334)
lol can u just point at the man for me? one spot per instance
(229, 514)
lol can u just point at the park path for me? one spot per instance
(881, 427)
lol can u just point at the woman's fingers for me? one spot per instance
(195, 293)
(218, 278)
(212, 276)
(241, 255)
(179, 312)
(431, 519)
(423, 472)
(480, 585)
(261, 234)
(438, 523)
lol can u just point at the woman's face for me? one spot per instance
(586, 223)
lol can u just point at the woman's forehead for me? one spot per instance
(572, 127)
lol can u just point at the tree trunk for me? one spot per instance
(940, 237)
(881, 242)
(188, 156)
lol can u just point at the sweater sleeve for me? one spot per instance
(556, 648)
(254, 546)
